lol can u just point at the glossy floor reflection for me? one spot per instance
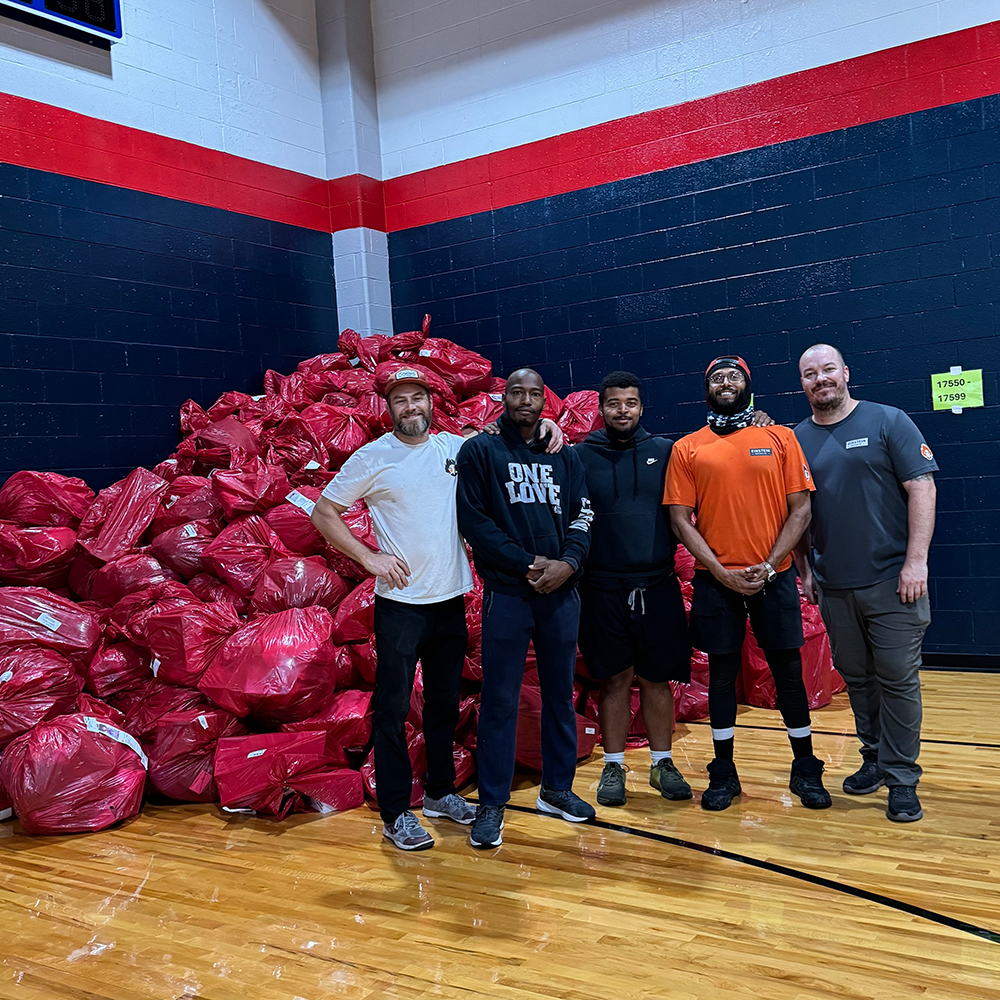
(188, 902)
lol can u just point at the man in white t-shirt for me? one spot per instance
(408, 480)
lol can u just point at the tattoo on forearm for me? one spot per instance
(921, 478)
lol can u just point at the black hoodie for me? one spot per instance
(631, 544)
(516, 502)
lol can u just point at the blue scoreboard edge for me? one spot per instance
(97, 10)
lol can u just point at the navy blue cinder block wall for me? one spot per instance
(116, 306)
(883, 239)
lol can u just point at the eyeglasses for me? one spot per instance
(735, 377)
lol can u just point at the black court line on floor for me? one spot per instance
(769, 866)
(830, 732)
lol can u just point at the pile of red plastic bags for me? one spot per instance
(186, 635)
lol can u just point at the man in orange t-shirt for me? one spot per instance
(749, 489)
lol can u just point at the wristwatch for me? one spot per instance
(771, 571)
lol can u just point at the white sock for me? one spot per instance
(657, 755)
(796, 734)
(614, 758)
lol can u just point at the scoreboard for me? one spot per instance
(102, 18)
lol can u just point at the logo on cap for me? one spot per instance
(405, 373)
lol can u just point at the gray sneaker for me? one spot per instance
(488, 829)
(669, 781)
(407, 833)
(611, 787)
(452, 807)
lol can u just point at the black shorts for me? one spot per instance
(650, 635)
(719, 615)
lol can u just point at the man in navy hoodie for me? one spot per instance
(527, 516)
(632, 621)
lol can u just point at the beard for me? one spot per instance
(413, 426)
(728, 407)
(620, 436)
(832, 401)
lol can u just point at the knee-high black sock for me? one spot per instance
(723, 668)
(786, 669)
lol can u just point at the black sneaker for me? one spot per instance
(866, 780)
(807, 783)
(611, 787)
(904, 806)
(487, 830)
(564, 803)
(723, 786)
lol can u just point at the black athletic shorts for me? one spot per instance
(719, 615)
(643, 628)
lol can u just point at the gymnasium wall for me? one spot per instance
(142, 261)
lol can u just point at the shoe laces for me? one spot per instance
(407, 823)
(452, 801)
(624, 768)
(488, 814)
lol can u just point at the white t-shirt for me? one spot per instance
(410, 491)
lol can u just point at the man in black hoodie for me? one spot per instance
(632, 621)
(527, 517)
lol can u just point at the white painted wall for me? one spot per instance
(361, 270)
(460, 78)
(240, 76)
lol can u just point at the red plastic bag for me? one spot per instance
(121, 513)
(209, 589)
(691, 700)
(347, 721)
(126, 575)
(223, 444)
(358, 518)
(528, 751)
(184, 640)
(181, 548)
(193, 417)
(267, 772)
(364, 659)
(292, 445)
(241, 552)
(35, 685)
(73, 774)
(182, 761)
(186, 499)
(340, 430)
(374, 411)
(553, 405)
(251, 489)
(482, 409)
(40, 556)
(298, 582)
(418, 764)
(144, 707)
(130, 616)
(464, 371)
(355, 618)
(81, 572)
(89, 705)
(278, 668)
(581, 414)
(117, 667)
(291, 522)
(337, 361)
(33, 616)
(37, 499)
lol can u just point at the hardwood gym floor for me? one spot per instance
(658, 899)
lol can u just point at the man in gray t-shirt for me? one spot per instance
(872, 521)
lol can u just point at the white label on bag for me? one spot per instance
(425, 354)
(6, 814)
(48, 621)
(320, 807)
(589, 730)
(355, 362)
(256, 753)
(155, 666)
(95, 726)
(171, 500)
(203, 722)
(6, 676)
(258, 397)
(303, 503)
(495, 396)
(311, 464)
(246, 812)
(189, 531)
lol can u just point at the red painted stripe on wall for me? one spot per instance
(944, 70)
(48, 138)
(949, 68)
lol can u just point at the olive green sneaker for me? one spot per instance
(668, 780)
(611, 787)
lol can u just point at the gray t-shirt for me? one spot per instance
(859, 509)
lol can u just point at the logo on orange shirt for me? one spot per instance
(759, 452)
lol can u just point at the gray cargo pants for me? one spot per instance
(876, 642)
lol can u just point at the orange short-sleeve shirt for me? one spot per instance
(738, 483)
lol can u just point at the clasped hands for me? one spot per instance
(547, 575)
(747, 581)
